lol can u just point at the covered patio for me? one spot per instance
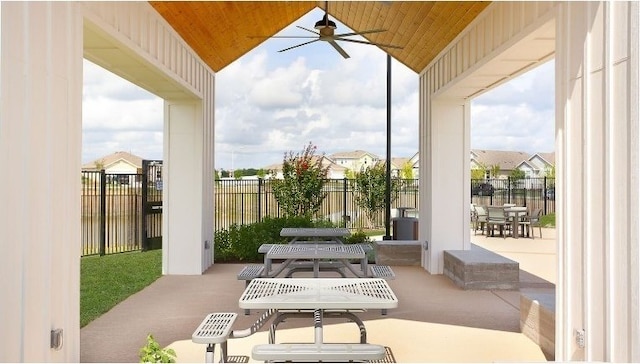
(458, 50)
(435, 321)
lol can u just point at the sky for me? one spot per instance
(269, 103)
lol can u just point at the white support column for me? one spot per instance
(598, 192)
(184, 235)
(444, 158)
(40, 144)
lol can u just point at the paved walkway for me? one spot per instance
(434, 322)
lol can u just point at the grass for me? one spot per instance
(548, 220)
(105, 281)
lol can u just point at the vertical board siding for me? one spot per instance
(151, 36)
(599, 282)
(494, 28)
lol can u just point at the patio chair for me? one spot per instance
(479, 216)
(497, 217)
(530, 221)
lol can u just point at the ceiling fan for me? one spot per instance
(326, 32)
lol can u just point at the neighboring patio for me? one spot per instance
(435, 320)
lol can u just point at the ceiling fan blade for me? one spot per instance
(299, 45)
(308, 30)
(360, 33)
(376, 44)
(338, 48)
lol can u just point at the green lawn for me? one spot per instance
(548, 220)
(105, 281)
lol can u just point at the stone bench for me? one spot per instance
(538, 320)
(478, 268)
(398, 252)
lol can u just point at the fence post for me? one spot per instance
(259, 199)
(508, 189)
(544, 192)
(344, 202)
(145, 200)
(103, 211)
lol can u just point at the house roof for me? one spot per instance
(277, 167)
(220, 32)
(505, 159)
(111, 159)
(356, 154)
(550, 158)
(399, 162)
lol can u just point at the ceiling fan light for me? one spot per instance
(320, 24)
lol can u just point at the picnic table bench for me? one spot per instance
(319, 296)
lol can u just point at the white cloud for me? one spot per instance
(268, 103)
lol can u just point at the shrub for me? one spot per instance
(240, 243)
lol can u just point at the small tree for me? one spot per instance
(300, 191)
(477, 173)
(550, 172)
(407, 170)
(369, 190)
(517, 174)
(494, 171)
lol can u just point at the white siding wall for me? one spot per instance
(597, 189)
(40, 144)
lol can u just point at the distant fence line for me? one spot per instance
(113, 207)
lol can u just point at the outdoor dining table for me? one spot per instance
(514, 213)
(315, 253)
(335, 234)
(318, 294)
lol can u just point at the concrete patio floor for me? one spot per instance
(435, 320)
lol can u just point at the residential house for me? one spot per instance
(335, 171)
(507, 161)
(398, 164)
(355, 160)
(538, 164)
(117, 163)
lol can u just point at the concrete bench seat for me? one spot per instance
(478, 268)
(215, 329)
(318, 352)
(538, 320)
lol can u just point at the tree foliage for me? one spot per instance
(550, 172)
(477, 173)
(369, 190)
(407, 171)
(517, 174)
(494, 171)
(300, 191)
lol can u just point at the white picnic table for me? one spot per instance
(291, 253)
(318, 294)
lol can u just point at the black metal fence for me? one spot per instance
(530, 192)
(116, 218)
(248, 201)
(111, 213)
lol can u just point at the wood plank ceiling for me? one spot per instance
(220, 31)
